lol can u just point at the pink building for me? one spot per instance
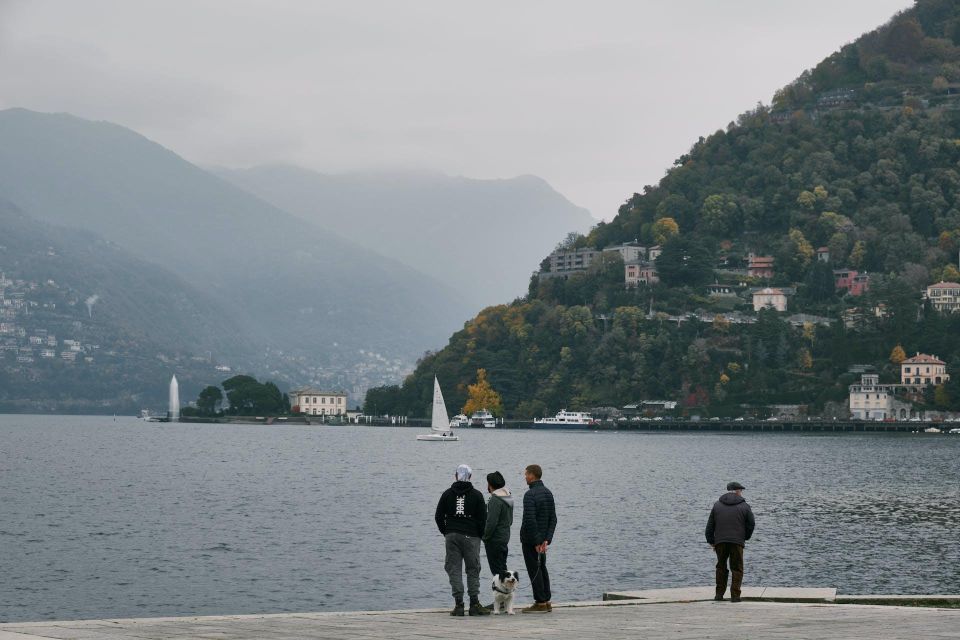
(851, 281)
(636, 272)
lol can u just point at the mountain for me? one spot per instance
(310, 297)
(853, 168)
(481, 237)
(133, 323)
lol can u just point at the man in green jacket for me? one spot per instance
(496, 533)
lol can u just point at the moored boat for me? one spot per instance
(483, 418)
(566, 420)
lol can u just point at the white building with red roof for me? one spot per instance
(923, 370)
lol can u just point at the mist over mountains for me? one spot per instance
(184, 262)
(481, 237)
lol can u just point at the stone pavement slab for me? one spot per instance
(617, 620)
(692, 594)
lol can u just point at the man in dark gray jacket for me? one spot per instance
(536, 535)
(729, 526)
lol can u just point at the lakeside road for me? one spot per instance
(612, 621)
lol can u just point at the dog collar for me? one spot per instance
(499, 590)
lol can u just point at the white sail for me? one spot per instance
(439, 420)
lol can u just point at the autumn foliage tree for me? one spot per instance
(664, 229)
(482, 396)
(898, 355)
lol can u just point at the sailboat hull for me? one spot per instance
(438, 437)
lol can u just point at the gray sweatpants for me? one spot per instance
(463, 550)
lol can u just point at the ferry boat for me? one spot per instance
(566, 420)
(483, 418)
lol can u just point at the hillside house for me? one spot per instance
(944, 296)
(823, 254)
(769, 298)
(923, 370)
(629, 251)
(635, 273)
(851, 281)
(654, 252)
(760, 266)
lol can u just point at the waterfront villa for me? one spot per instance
(870, 400)
(314, 402)
(923, 370)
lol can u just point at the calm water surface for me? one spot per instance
(103, 518)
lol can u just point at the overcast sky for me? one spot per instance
(596, 97)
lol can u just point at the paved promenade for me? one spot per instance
(610, 620)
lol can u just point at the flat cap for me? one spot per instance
(734, 486)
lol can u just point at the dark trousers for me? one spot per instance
(537, 569)
(496, 556)
(732, 553)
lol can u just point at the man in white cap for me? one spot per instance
(461, 517)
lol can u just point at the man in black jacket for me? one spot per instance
(461, 516)
(729, 526)
(536, 534)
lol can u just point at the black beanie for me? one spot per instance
(496, 480)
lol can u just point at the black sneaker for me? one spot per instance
(457, 610)
(477, 609)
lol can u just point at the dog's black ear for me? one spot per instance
(516, 576)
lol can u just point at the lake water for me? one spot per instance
(115, 518)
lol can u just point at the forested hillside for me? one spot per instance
(859, 157)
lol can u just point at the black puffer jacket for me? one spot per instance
(539, 515)
(731, 520)
(461, 509)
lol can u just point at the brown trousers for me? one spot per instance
(732, 553)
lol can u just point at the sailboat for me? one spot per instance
(440, 428)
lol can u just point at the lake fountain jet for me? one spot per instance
(173, 413)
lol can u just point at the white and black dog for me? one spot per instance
(504, 584)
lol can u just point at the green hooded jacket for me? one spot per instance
(499, 517)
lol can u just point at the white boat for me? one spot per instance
(458, 421)
(483, 418)
(440, 428)
(566, 420)
(931, 430)
(954, 430)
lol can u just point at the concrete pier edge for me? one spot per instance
(818, 612)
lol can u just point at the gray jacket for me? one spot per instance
(499, 517)
(731, 520)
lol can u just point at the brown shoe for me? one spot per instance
(549, 605)
(539, 607)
